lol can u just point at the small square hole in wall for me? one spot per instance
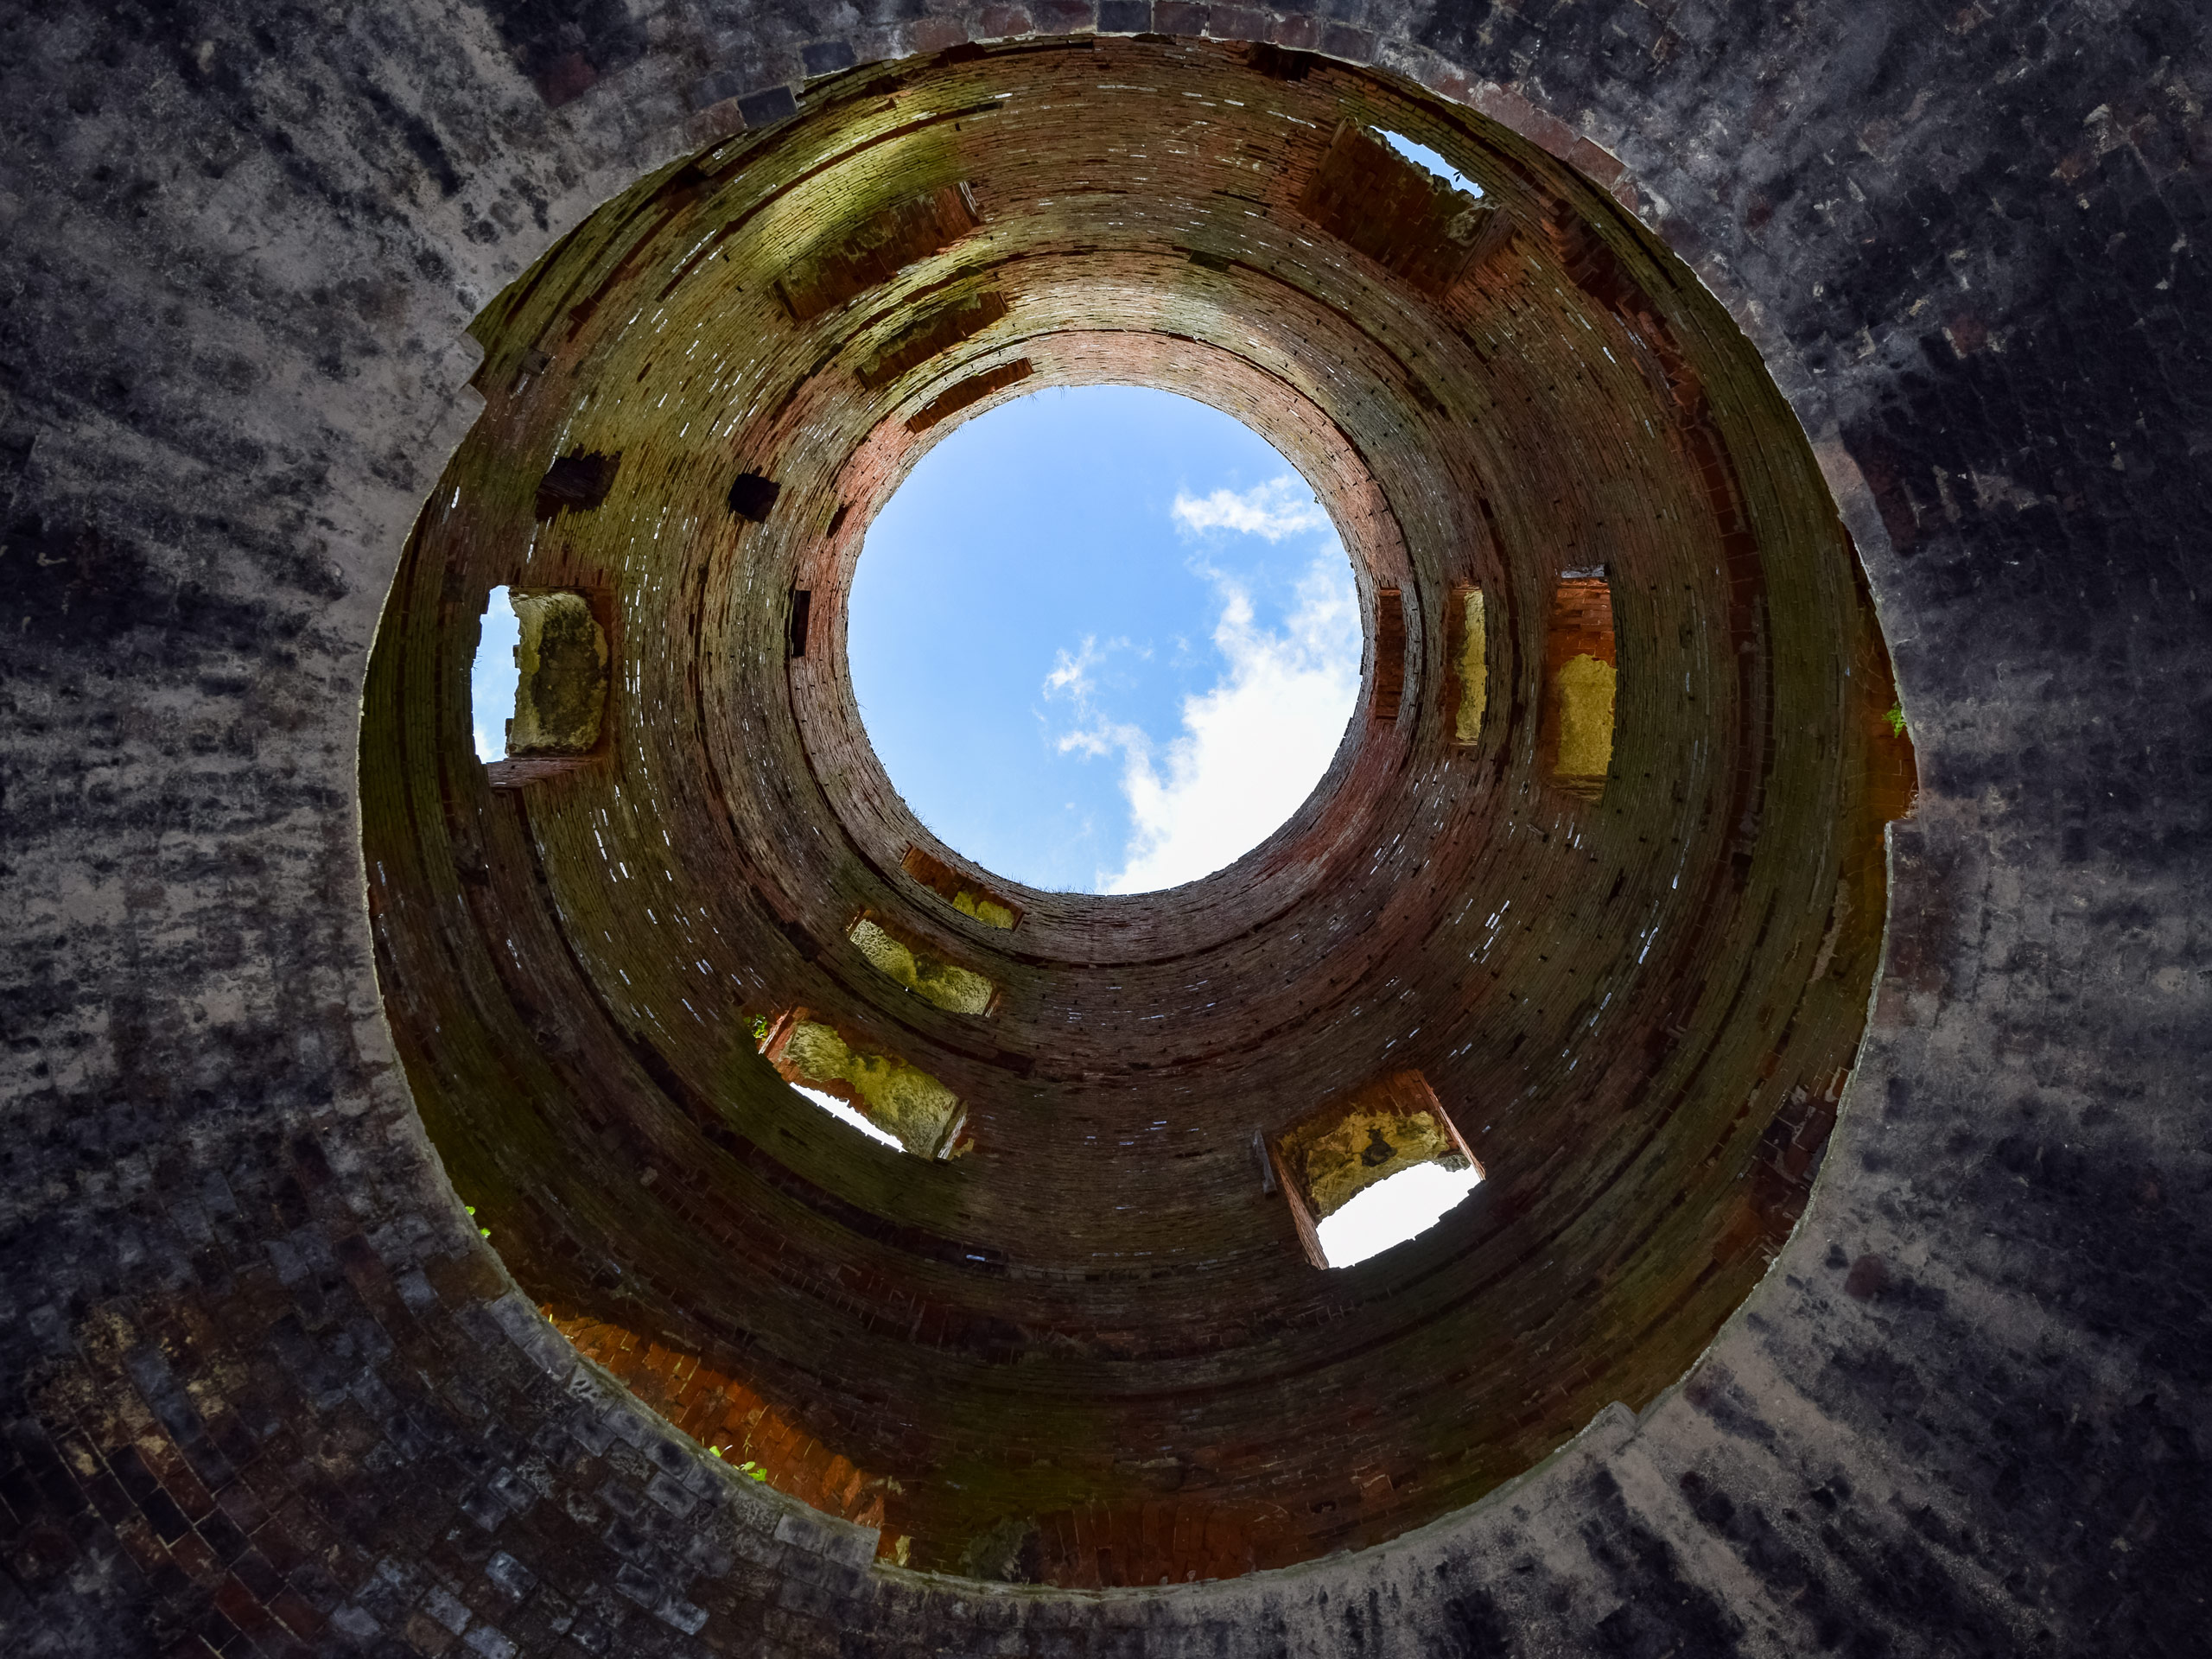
(577, 482)
(753, 497)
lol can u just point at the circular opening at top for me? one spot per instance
(1105, 640)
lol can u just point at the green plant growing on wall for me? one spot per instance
(1896, 717)
(749, 1468)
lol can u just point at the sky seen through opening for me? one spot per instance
(1105, 640)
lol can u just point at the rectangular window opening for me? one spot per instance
(934, 335)
(1469, 663)
(1400, 213)
(894, 1102)
(1575, 738)
(801, 608)
(1334, 1165)
(896, 953)
(973, 390)
(968, 897)
(1389, 653)
(543, 655)
(1422, 157)
(883, 244)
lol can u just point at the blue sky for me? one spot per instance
(1103, 638)
(1422, 155)
(492, 682)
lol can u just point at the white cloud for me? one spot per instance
(1102, 737)
(1252, 748)
(1282, 507)
(1070, 676)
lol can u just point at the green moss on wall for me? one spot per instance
(954, 990)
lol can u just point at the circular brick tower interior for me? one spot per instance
(1613, 943)
(1767, 845)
